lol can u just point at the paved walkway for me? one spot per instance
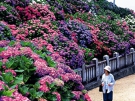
(124, 90)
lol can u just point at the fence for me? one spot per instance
(94, 71)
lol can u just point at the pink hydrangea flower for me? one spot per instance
(3, 43)
(26, 51)
(4, 60)
(17, 97)
(44, 88)
(40, 63)
(87, 97)
(45, 79)
(64, 78)
(50, 48)
(12, 71)
(6, 54)
(58, 96)
(34, 56)
(77, 94)
(53, 73)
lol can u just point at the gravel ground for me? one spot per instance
(124, 90)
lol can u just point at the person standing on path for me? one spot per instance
(108, 84)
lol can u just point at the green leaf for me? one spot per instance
(5, 87)
(33, 92)
(1, 78)
(1, 64)
(25, 44)
(39, 94)
(37, 85)
(12, 86)
(1, 93)
(50, 85)
(52, 97)
(2, 49)
(33, 69)
(23, 89)
(50, 62)
(43, 55)
(11, 43)
(9, 63)
(8, 93)
(7, 77)
(65, 99)
(26, 78)
(18, 80)
(19, 71)
(81, 99)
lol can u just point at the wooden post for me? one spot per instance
(116, 54)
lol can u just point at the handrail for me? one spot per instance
(95, 69)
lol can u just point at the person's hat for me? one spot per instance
(108, 68)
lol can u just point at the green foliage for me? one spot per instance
(105, 5)
(50, 97)
(89, 54)
(130, 21)
(40, 1)
(5, 33)
(11, 82)
(9, 14)
(12, 43)
(6, 92)
(21, 64)
(65, 92)
(32, 90)
(23, 89)
(55, 25)
(25, 70)
(2, 49)
(1, 64)
(43, 53)
(50, 62)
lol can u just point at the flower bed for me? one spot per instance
(40, 44)
(34, 75)
(29, 56)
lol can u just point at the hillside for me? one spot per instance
(42, 42)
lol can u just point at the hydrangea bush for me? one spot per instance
(8, 14)
(37, 71)
(76, 31)
(69, 50)
(32, 78)
(15, 3)
(70, 6)
(5, 33)
(41, 44)
(130, 21)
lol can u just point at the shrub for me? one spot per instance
(8, 14)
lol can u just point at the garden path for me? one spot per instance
(124, 90)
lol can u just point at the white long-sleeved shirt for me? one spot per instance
(108, 80)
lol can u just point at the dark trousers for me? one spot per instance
(108, 96)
